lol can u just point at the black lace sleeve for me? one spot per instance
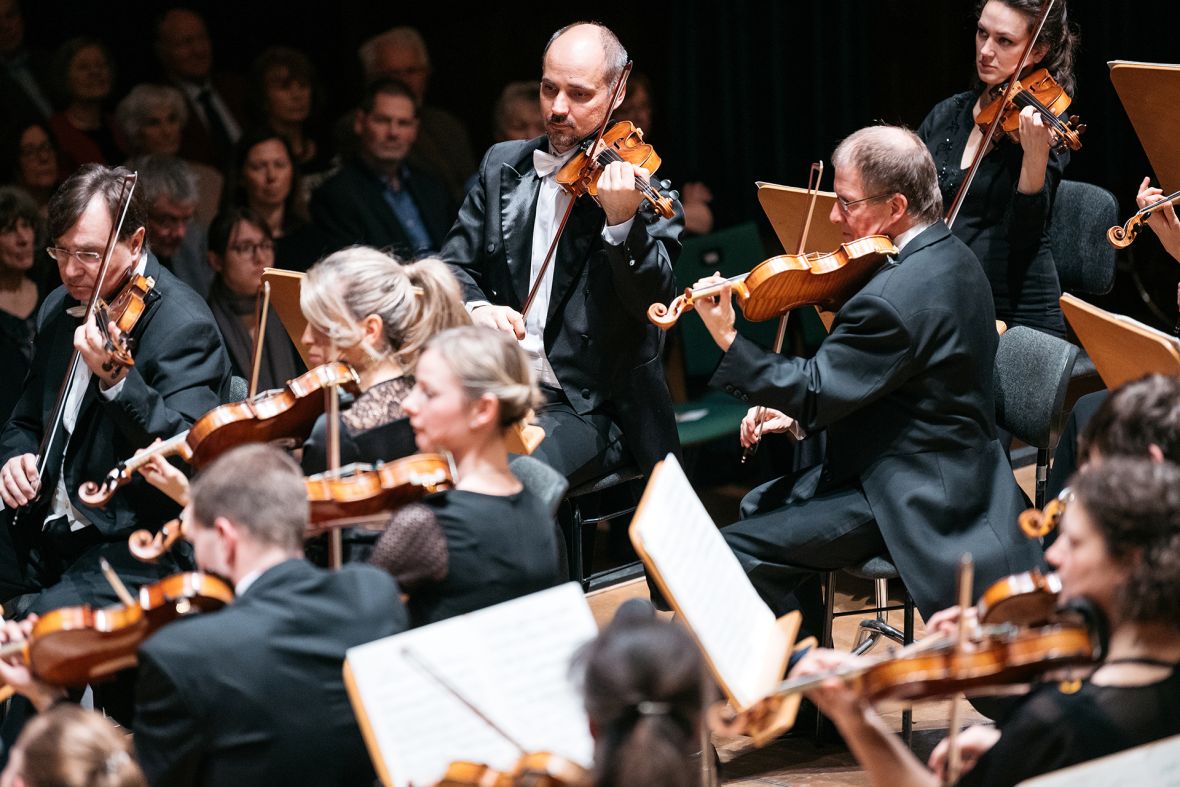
(413, 547)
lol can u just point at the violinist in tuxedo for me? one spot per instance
(596, 355)
(51, 556)
(903, 388)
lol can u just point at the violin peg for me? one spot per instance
(665, 184)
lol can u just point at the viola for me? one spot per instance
(74, 646)
(287, 414)
(1042, 92)
(537, 769)
(623, 141)
(788, 281)
(357, 492)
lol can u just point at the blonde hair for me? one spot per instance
(414, 301)
(487, 361)
(68, 746)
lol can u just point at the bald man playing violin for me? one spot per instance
(596, 355)
(902, 389)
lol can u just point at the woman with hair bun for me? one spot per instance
(645, 689)
(68, 746)
(489, 539)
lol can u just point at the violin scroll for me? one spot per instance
(149, 547)
(1036, 523)
(99, 494)
(1124, 236)
(665, 317)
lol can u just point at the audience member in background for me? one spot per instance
(379, 198)
(694, 195)
(489, 539)
(22, 89)
(150, 119)
(19, 295)
(646, 690)
(240, 247)
(170, 193)
(31, 162)
(265, 179)
(215, 100)
(517, 114)
(69, 746)
(284, 90)
(443, 143)
(83, 77)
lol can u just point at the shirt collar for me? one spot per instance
(901, 240)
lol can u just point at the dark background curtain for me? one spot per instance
(744, 90)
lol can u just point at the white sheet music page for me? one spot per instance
(734, 627)
(511, 661)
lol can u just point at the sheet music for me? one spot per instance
(733, 625)
(1157, 764)
(511, 661)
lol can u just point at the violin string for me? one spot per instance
(1026, 99)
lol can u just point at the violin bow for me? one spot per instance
(332, 408)
(569, 209)
(813, 179)
(262, 311)
(1009, 89)
(966, 580)
(55, 424)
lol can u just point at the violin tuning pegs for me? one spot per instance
(674, 194)
(665, 184)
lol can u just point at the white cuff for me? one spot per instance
(617, 234)
(111, 393)
(471, 306)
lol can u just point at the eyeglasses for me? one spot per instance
(34, 151)
(84, 257)
(249, 249)
(845, 205)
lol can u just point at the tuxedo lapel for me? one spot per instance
(518, 207)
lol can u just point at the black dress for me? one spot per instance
(459, 551)
(1007, 230)
(1052, 729)
(16, 350)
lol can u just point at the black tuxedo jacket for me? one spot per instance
(181, 372)
(350, 208)
(254, 693)
(903, 386)
(598, 339)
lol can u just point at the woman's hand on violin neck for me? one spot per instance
(618, 191)
(16, 673)
(89, 341)
(163, 476)
(835, 698)
(717, 311)
(1036, 139)
(1163, 219)
(973, 743)
(773, 422)
(946, 622)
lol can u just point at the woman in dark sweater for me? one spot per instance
(489, 539)
(1005, 215)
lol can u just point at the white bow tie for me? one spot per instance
(546, 163)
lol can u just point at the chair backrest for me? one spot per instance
(238, 388)
(1082, 213)
(1031, 377)
(731, 252)
(541, 480)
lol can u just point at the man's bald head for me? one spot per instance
(579, 35)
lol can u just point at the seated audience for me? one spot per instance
(240, 248)
(265, 179)
(646, 690)
(380, 198)
(489, 539)
(1119, 549)
(443, 146)
(284, 91)
(22, 88)
(174, 236)
(214, 99)
(151, 119)
(31, 161)
(19, 294)
(83, 77)
(517, 114)
(68, 746)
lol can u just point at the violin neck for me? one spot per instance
(169, 447)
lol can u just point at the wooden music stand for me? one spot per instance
(284, 297)
(786, 207)
(1150, 93)
(1122, 349)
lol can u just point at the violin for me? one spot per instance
(1042, 92)
(1124, 236)
(537, 769)
(124, 311)
(358, 492)
(1025, 599)
(74, 646)
(623, 141)
(285, 414)
(788, 281)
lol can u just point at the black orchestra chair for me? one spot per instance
(1082, 212)
(238, 388)
(546, 483)
(1032, 377)
(879, 570)
(583, 526)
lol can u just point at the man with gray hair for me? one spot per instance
(443, 145)
(902, 386)
(174, 236)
